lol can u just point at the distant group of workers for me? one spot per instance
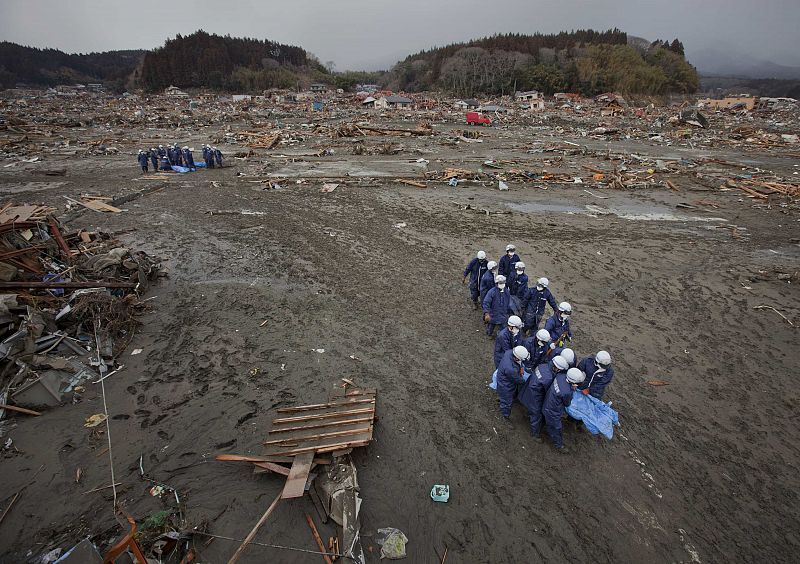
(533, 365)
(164, 158)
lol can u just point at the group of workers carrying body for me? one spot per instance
(533, 365)
(164, 158)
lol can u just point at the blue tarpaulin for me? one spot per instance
(177, 168)
(597, 417)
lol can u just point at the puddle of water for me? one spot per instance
(632, 212)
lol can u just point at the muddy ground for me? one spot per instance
(704, 469)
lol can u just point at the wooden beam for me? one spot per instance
(317, 538)
(267, 458)
(66, 285)
(298, 475)
(322, 416)
(251, 534)
(326, 448)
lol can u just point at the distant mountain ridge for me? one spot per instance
(716, 62)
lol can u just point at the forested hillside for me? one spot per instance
(48, 67)
(227, 63)
(583, 61)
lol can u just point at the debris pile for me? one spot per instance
(68, 302)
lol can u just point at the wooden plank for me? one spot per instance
(321, 416)
(298, 475)
(17, 213)
(307, 438)
(272, 467)
(265, 458)
(322, 425)
(18, 409)
(323, 405)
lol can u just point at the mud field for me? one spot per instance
(704, 469)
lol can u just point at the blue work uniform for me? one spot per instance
(142, 157)
(597, 377)
(497, 304)
(557, 398)
(475, 269)
(164, 163)
(209, 159)
(506, 264)
(505, 341)
(162, 152)
(188, 158)
(557, 351)
(218, 157)
(534, 302)
(509, 377)
(538, 352)
(486, 284)
(532, 394)
(517, 284)
(154, 159)
(557, 326)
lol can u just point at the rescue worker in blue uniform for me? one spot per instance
(164, 163)
(475, 270)
(209, 158)
(599, 374)
(507, 339)
(534, 301)
(510, 375)
(507, 261)
(557, 398)
(142, 158)
(177, 155)
(154, 158)
(487, 280)
(496, 306)
(162, 152)
(517, 285)
(558, 324)
(532, 394)
(218, 156)
(188, 158)
(538, 346)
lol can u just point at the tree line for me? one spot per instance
(585, 61)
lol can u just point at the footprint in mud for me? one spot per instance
(164, 435)
(142, 412)
(141, 399)
(226, 444)
(244, 418)
(487, 532)
(121, 417)
(488, 485)
(131, 390)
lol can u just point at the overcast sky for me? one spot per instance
(372, 34)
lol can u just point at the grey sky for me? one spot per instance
(373, 34)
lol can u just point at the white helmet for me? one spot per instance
(543, 335)
(544, 282)
(491, 265)
(560, 363)
(569, 356)
(185, 147)
(521, 353)
(603, 358)
(564, 307)
(575, 376)
(161, 146)
(499, 279)
(510, 248)
(515, 321)
(481, 255)
(519, 266)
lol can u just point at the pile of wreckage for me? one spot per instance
(68, 301)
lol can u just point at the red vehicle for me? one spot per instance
(475, 118)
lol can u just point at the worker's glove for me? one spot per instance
(464, 280)
(487, 318)
(585, 391)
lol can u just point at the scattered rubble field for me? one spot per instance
(332, 245)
